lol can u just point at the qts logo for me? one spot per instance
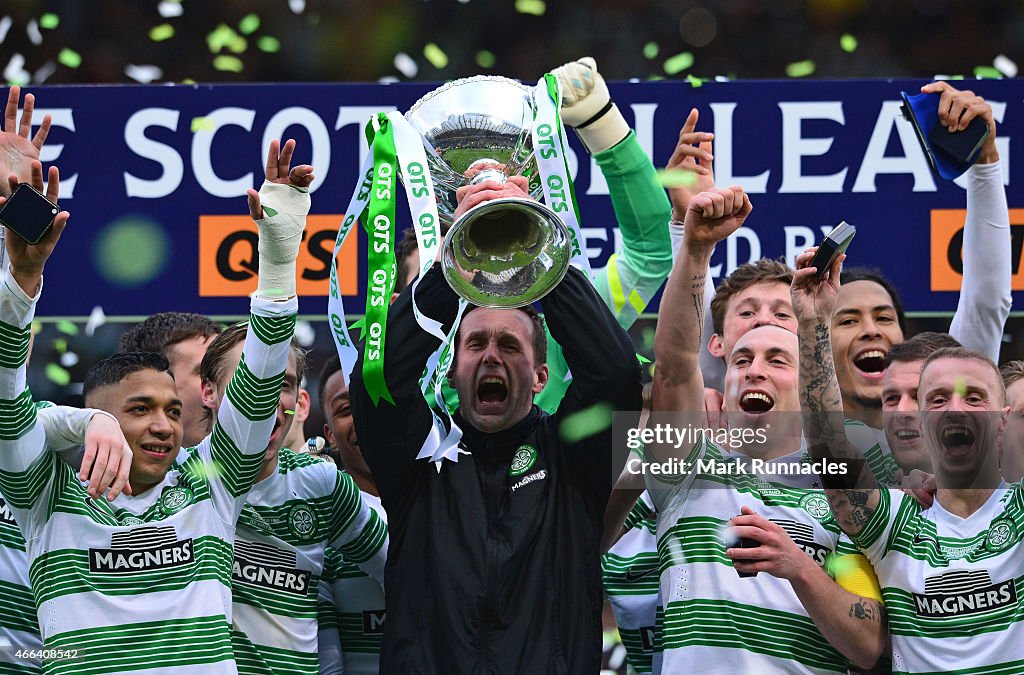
(947, 249)
(229, 255)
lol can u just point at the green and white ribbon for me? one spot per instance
(380, 273)
(550, 149)
(347, 351)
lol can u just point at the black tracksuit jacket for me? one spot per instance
(489, 572)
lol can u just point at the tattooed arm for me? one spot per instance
(710, 217)
(853, 495)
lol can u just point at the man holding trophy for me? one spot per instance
(494, 563)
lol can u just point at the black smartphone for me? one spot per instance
(747, 543)
(835, 242)
(28, 213)
(962, 146)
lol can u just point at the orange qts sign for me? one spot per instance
(228, 256)
(947, 247)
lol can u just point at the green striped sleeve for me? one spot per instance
(22, 489)
(254, 397)
(17, 416)
(14, 343)
(237, 470)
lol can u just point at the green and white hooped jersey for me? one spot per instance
(144, 583)
(352, 605)
(953, 587)
(713, 620)
(875, 446)
(629, 574)
(19, 627)
(287, 522)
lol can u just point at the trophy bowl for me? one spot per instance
(506, 252)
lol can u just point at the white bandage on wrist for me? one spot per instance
(284, 218)
(587, 105)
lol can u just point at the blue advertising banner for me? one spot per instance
(155, 180)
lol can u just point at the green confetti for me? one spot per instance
(586, 422)
(49, 21)
(655, 78)
(249, 24)
(651, 50)
(269, 44)
(695, 81)
(67, 327)
(70, 58)
(269, 211)
(238, 44)
(209, 469)
(988, 72)
(485, 59)
(676, 178)
(434, 54)
(648, 338)
(534, 7)
(221, 37)
(678, 63)
(230, 64)
(57, 375)
(60, 345)
(162, 32)
(36, 327)
(289, 412)
(800, 68)
(188, 80)
(960, 386)
(201, 124)
(848, 43)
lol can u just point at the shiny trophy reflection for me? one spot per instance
(506, 252)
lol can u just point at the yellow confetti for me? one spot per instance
(678, 63)
(49, 21)
(57, 375)
(800, 68)
(676, 178)
(228, 63)
(162, 32)
(534, 7)
(70, 58)
(435, 55)
(249, 24)
(201, 124)
(848, 43)
(269, 44)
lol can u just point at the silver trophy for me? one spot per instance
(506, 252)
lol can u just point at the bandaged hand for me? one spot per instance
(587, 106)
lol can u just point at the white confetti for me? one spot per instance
(406, 65)
(721, 78)
(32, 30)
(143, 74)
(388, 79)
(68, 359)
(44, 71)
(304, 334)
(15, 72)
(97, 317)
(5, 25)
(297, 6)
(169, 10)
(1005, 65)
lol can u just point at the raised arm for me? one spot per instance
(25, 464)
(852, 496)
(245, 418)
(395, 433)
(985, 298)
(709, 218)
(605, 371)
